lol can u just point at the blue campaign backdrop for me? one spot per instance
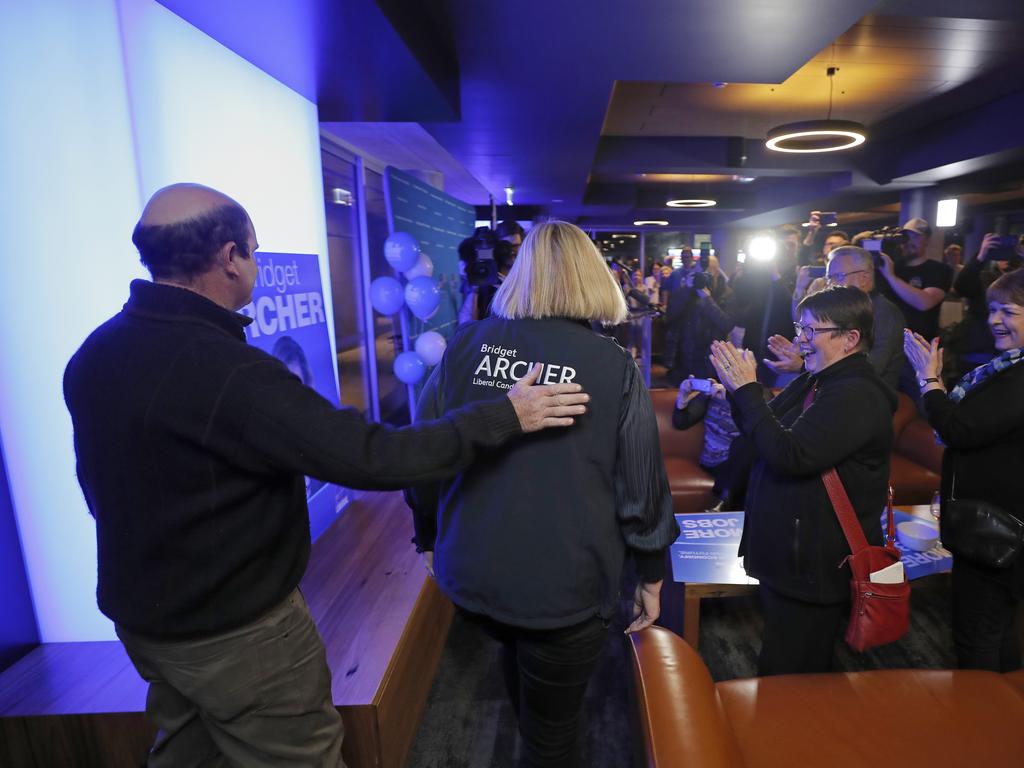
(290, 322)
(439, 222)
(706, 551)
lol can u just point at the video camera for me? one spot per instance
(887, 240)
(481, 254)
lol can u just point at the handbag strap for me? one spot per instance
(841, 502)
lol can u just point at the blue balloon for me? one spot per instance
(430, 347)
(409, 368)
(423, 296)
(386, 295)
(402, 251)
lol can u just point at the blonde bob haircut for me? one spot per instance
(560, 273)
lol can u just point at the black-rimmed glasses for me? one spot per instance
(809, 330)
(840, 277)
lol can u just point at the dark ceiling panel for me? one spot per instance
(537, 75)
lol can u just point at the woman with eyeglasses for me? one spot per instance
(981, 422)
(838, 413)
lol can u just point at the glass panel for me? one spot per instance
(394, 399)
(340, 188)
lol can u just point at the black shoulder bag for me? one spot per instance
(979, 531)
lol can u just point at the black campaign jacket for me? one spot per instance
(792, 540)
(535, 534)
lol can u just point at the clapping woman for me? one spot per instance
(838, 413)
(981, 422)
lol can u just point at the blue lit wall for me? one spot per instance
(18, 631)
(104, 102)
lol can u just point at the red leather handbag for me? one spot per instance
(880, 613)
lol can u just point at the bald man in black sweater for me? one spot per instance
(191, 449)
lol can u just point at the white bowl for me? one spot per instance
(917, 535)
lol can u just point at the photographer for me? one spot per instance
(994, 259)
(811, 252)
(485, 259)
(693, 320)
(916, 283)
(762, 296)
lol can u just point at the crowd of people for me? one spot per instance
(192, 447)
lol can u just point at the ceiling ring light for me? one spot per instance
(816, 136)
(812, 136)
(692, 202)
(651, 222)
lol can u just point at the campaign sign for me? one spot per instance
(918, 564)
(290, 323)
(705, 552)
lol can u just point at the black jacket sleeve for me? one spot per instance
(838, 422)
(693, 413)
(976, 423)
(423, 498)
(275, 424)
(643, 499)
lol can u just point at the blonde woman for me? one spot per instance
(531, 543)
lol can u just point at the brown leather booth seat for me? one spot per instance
(916, 466)
(680, 448)
(914, 472)
(905, 717)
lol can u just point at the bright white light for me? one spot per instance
(741, 257)
(762, 248)
(855, 140)
(945, 213)
(509, 191)
(694, 202)
(651, 222)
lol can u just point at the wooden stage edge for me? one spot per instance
(384, 624)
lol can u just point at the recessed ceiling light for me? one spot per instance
(652, 222)
(745, 179)
(629, 235)
(557, 200)
(692, 202)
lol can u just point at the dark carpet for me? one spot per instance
(469, 723)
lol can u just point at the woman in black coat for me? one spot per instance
(530, 542)
(792, 542)
(981, 423)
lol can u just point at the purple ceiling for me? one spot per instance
(517, 92)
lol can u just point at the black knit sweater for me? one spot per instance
(191, 447)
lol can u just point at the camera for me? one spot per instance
(481, 254)
(702, 385)
(887, 240)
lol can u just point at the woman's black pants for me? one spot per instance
(984, 619)
(547, 672)
(798, 636)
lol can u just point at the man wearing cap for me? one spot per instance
(917, 284)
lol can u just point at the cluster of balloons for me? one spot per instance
(420, 293)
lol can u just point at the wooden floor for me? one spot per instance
(384, 625)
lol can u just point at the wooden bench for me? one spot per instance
(384, 625)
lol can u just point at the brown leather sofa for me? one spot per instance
(914, 474)
(908, 717)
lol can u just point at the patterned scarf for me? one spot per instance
(985, 372)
